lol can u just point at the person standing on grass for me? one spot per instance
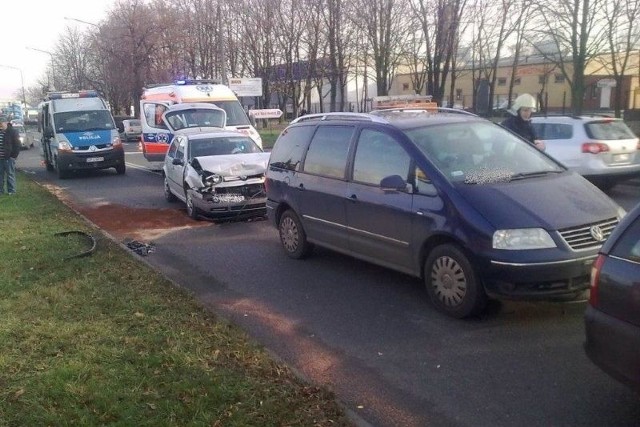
(9, 150)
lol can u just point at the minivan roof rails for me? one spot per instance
(338, 116)
(429, 111)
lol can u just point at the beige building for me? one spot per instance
(543, 79)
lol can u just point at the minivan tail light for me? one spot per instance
(594, 147)
(595, 279)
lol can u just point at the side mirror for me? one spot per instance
(48, 132)
(178, 162)
(393, 182)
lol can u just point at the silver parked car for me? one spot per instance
(218, 174)
(602, 149)
(131, 130)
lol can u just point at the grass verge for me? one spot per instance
(104, 339)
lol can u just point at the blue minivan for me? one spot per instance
(447, 196)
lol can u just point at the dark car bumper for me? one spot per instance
(559, 279)
(614, 346)
(95, 160)
(134, 136)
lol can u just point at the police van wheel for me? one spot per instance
(62, 174)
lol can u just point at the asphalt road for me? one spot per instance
(369, 333)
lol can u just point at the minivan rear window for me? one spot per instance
(328, 150)
(287, 153)
(609, 130)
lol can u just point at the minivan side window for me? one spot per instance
(328, 151)
(288, 151)
(379, 155)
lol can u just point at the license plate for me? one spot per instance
(95, 159)
(621, 157)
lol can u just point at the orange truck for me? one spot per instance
(413, 102)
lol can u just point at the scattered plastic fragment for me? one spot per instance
(142, 249)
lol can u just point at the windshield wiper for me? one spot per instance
(525, 175)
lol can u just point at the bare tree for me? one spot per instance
(72, 54)
(130, 35)
(440, 22)
(260, 49)
(622, 39)
(576, 31)
(385, 25)
(523, 12)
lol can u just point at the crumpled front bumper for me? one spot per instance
(231, 202)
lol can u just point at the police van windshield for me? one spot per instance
(236, 115)
(83, 121)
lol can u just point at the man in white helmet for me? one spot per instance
(519, 120)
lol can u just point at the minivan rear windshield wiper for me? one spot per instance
(525, 175)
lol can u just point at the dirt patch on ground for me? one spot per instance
(140, 224)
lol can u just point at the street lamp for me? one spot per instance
(82, 22)
(24, 98)
(53, 70)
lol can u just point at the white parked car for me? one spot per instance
(131, 130)
(216, 173)
(602, 149)
(26, 141)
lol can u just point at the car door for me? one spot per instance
(176, 165)
(379, 218)
(322, 186)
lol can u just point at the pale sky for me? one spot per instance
(38, 24)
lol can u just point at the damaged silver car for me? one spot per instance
(216, 173)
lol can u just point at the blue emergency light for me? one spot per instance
(80, 94)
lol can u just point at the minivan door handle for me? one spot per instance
(301, 186)
(353, 198)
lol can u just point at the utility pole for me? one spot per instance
(53, 70)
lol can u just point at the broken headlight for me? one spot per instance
(213, 179)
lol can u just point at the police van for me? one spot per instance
(155, 100)
(78, 133)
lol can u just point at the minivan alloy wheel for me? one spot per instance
(289, 234)
(452, 283)
(449, 281)
(292, 236)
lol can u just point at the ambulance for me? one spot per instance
(156, 99)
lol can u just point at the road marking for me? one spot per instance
(143, 168)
